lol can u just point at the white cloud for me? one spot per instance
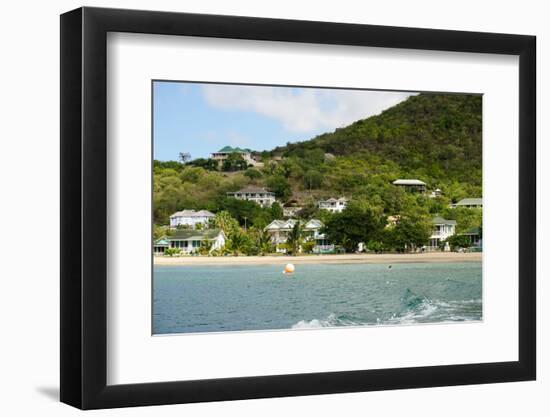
(303, 109)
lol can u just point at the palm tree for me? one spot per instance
(263, 241)
(295, 239)
(205, 247)
(236, 243)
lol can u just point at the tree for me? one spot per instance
(276, 211)
(184, 157)
(408, 234)
(280, 186)
(458, 241)
(294, 239)
(234, 162)
(252, 174)
(355, 224)
(244, 211)
(208, 164)
(313, 179)
(228, 224)
(262, 241)
(237, 243)
(205, 247)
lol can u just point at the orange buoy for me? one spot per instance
(289, 269)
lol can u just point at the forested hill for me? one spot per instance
(429, 135)
(435, 138)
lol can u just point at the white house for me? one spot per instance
(469, 203)
(412, 185)
(442, 229)
(261, 196)
(334, 205)
(189, 240)
(224, 153)
(279, 230)
(436, 193)
(190, 218)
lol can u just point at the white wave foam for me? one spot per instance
(330, 321)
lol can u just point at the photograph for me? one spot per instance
(284, 207)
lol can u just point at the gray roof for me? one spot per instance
(441, 220)
(190, 234)
(289, 224)
(193, 213)
(470, 202)
(472, 231)
(408, 182)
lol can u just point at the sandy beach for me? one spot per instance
(433, 257)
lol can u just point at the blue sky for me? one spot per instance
(202, 118)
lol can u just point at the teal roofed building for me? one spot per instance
(224, 153)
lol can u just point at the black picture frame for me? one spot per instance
(84, 207)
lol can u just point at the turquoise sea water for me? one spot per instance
(190, 299)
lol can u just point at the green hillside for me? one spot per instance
(432, 137)
(437, 136)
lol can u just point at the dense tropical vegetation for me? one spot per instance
(432, 137)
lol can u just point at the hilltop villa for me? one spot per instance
(279, 230)
(334, 205)
(189, 241)
(469, 203)
(190, 218)
(442, 230)
(412, 185)
(224, 153)
(258, 195)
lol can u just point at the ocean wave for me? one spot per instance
(331, 321)
(416, 309)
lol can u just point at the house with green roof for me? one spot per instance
(224, 153)
(190, 240)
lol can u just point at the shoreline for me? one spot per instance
(430, 257)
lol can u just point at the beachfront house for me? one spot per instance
(160, 245)
(474, 236)
(334, 205)
(191, 218)
(442, 229)
(224, 153)
(469, 203)
(411, 185)
(279, 230)
(189, 240)
(261, 196)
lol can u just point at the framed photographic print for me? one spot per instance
(258, 207)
